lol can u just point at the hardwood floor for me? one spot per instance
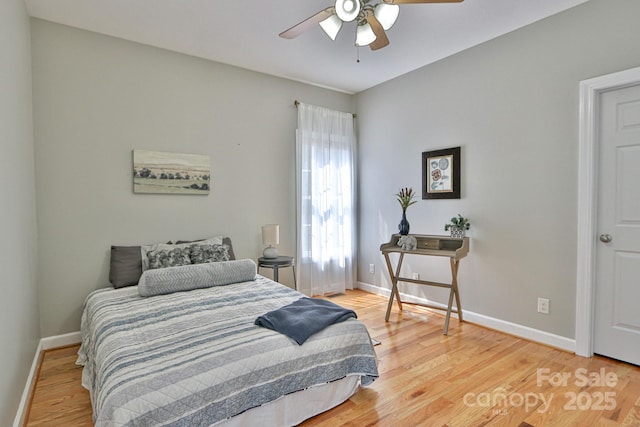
(59, 399)
(473, 377)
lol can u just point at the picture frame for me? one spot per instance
(441, 174)
(161, 172)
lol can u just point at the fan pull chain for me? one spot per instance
(357, 54)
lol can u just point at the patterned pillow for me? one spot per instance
(146, 249)
(200, 254)
(168, 258)
(225, 241)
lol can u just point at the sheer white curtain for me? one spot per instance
(325, 183)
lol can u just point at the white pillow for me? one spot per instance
(195, 276)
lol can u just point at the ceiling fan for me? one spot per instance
(372, 20)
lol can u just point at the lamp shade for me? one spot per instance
(386, 14)
(364, 35)
(347, 10)
(331, 26)
(271, 234)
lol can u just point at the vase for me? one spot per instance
(457, 231)
(403, 227)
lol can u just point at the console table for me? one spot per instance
(455, 248)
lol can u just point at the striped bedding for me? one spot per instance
(196, 358)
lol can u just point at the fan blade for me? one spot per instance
(381, 37)
(308, 23)
(421, 1)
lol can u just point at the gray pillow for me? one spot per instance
(125, 266)
(227, 241)
(195, 276)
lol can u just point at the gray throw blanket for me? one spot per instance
(304, 317)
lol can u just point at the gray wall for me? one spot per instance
(19, 321)
(512, 105)
(95, 99)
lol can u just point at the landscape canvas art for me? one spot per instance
(161, 172)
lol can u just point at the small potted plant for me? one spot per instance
(458, 226)
(405, 198)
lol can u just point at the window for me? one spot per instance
(325, 157)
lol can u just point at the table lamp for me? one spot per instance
(270, 237)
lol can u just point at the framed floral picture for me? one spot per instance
(441, 174)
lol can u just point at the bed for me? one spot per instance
(195, 357)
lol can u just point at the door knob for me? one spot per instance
(606, 238)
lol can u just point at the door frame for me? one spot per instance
(588, 168)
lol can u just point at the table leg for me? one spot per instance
(454, 283)
(446, 319)
(295, 283)
(452, 294)
(275, 273)
(394, 284)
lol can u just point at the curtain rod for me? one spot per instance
(296, 103)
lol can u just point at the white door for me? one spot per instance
(617, 293)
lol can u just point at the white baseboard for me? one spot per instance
(21, 415)
(531, 334)
(44, 344)
(61, 340)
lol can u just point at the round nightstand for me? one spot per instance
(276, 263)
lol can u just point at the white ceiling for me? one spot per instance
(244, 33)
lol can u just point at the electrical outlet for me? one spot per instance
(416, 276)
(372, 269)
(543, 305)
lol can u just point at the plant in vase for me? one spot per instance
(405, 198)
(458, 226)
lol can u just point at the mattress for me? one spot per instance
(196, 358)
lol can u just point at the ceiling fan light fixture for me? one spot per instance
(347, 10)
(331, 26)
(373, 19)
(386, 14)
(364, 35)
